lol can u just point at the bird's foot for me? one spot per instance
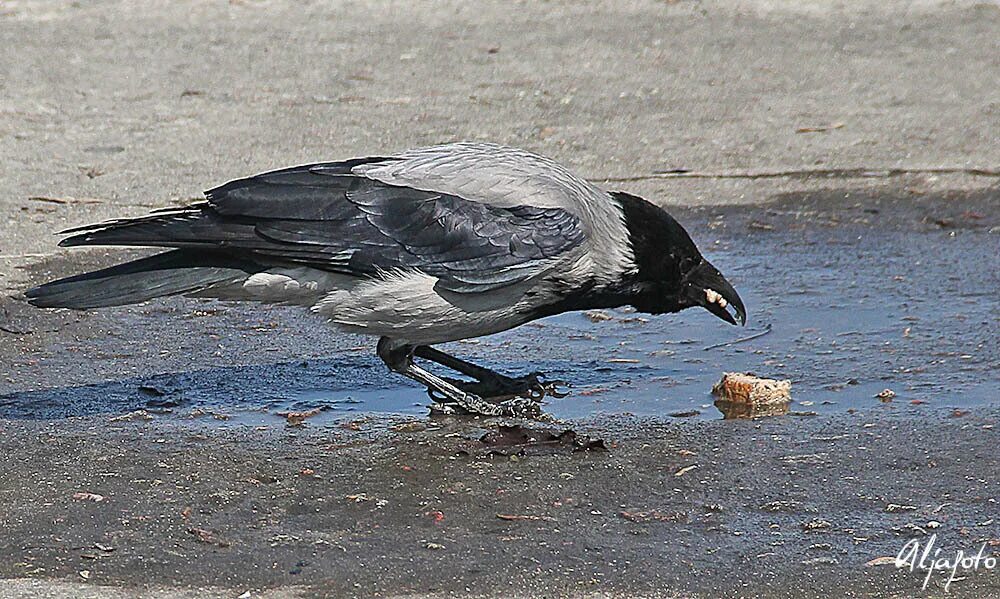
(470, 404)
(497, 387)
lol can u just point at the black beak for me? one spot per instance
(709, 289)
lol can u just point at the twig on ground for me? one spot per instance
(767, 329)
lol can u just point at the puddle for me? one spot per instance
(860, 294)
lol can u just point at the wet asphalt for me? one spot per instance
(205, 483)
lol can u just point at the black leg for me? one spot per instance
(399, 358)
(491, 383)
(457, 364)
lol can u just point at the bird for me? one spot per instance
(416, 249)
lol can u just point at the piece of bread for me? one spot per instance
(740, 387)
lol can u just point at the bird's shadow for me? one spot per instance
(352, 384)
(230, 388)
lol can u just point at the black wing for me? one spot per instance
(328, 218)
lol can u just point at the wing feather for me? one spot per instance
(329, 218)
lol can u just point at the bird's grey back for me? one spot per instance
(507, 177)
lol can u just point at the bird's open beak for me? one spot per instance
(713, 292)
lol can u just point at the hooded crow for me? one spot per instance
(431, 245)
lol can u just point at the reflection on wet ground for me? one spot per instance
(855, 295)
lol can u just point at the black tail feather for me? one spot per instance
(184, 227)
(169, 273)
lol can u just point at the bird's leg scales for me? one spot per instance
(449, 399)
(492, 384)
(399, 358)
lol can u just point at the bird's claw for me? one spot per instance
(552, 388)
(540, 388)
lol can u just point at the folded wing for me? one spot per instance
(329, 217)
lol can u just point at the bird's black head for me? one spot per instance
(672, 274)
